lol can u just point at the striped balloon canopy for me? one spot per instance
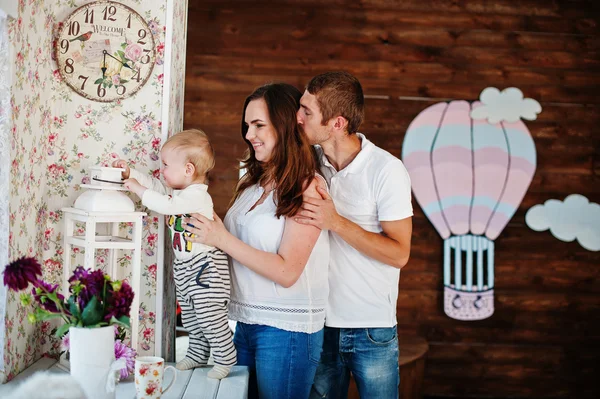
(469, 177)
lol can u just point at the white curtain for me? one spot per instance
(4, 167)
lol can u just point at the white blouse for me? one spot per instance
(258, 300)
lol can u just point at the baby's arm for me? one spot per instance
(192, 199)
(149, 182)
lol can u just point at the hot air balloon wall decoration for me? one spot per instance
(470, 166)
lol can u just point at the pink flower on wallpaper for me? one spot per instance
(152, 237)
(89, 122)
(56, 75)
(114, 155)
(156, 173)
(48, 233)
(148, 333)
(138, 126)
(76, 250)
(85, 180)
(80, 155)
(152, 271)
(77, 115)
(51, 265)
(161, 78)
(160, 49)
(133, 52)
(52, 138)
(116, 79)
(156, 143)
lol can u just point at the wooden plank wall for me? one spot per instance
(409, 54)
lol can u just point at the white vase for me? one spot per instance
(92, 356)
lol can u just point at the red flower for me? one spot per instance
(21, 272)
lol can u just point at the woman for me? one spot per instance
(279, 272)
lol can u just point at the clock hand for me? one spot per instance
(122, 63)
(104, 65)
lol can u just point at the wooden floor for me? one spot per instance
(189, 384)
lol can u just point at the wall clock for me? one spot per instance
(105, 51)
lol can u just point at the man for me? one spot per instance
(368, 213)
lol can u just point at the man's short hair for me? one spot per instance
(339, 93)
(196, 147)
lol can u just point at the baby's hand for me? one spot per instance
(134, 186)
(121, 163)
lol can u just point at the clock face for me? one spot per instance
(105, 51)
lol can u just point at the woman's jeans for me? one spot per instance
(371, 354)
(282, 363)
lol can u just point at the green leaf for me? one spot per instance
(74, 307)
(122, 321)
(47, 316)
(124, 45)
(98, 81)
(92, 314)
(123, 81)
(62, 330)
(121, 54)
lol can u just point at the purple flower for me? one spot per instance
(21, 272)
(123, 351)
(119, 303)
(89, 283)
(40, 293)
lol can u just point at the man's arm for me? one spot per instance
(392, 246)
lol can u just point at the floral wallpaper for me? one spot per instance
(4, 166)
(174, 92)
(56, 136)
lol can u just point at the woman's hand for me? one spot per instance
(206, 231)
(121, 163)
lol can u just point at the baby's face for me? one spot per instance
(173, 168)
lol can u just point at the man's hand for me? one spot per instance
(121, 163)
(320, 213)
(134, 186)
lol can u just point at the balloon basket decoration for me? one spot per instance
(469, 176)
(92, 360)
(468, 277)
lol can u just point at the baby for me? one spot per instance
(201, 271)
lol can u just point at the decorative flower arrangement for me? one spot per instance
(95, 299)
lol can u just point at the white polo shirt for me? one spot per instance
(374, 187)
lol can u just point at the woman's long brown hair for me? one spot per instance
(293, 163)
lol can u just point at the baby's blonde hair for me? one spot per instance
(196, 147)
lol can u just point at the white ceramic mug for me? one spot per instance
(149, 373)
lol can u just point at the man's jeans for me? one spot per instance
(371, 354)
(282, 363)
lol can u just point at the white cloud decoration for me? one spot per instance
(575, 218)
(507, 105)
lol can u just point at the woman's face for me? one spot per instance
(261, 133)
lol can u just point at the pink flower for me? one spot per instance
(116, 79)
(156, 173)
(52, 137)
(156, 143)
(56, 75)
(148, 333)
(77, 115)
(152, 239)
(80, 155)
(133, 51)
(161, 78)
(88, 122)
(152, 270)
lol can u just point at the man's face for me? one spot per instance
(309, 120)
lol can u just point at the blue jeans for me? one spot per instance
(370, 354)
(282, 363)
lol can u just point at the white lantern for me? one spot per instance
(105, 203)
